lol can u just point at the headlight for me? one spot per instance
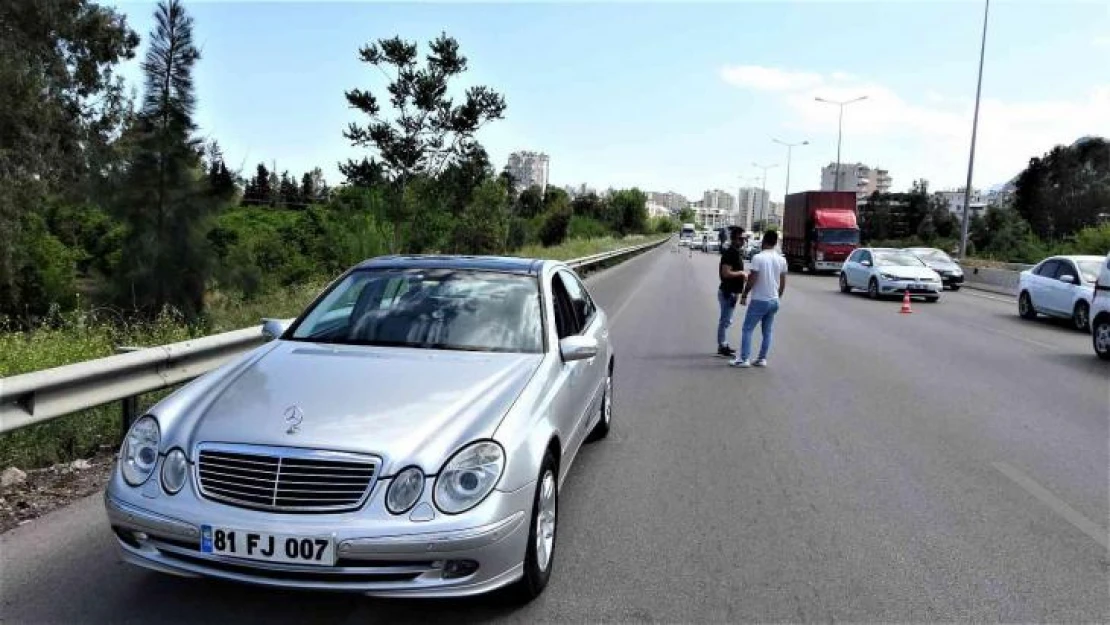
(175, 468)
(887, 276)
(405, 490)
(820, 256)
(468, 477)
(139, 453)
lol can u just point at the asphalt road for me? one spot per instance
(946, 465)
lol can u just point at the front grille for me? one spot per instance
(285, 479)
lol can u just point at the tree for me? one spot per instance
(165, 201)
(289, 193)
(429, 130)
(258, 188)
(530, 202)
(364, 173)
(484, 225)
(220, 180)
(589, 205)
(686, 215)
(61, 112)
(628, 211)
(1066, 189)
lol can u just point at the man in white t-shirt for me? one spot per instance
(766, 282)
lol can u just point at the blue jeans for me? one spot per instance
(760, 311)
(727, 302)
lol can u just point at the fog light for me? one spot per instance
(459, 568)
(141, 536)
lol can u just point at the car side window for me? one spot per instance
(1048, 268)
(864, 256)
(1066, 268)
(580, 299)
(853, 257)
(565, 322)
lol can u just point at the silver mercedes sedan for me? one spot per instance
(406, 435)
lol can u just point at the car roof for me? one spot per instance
(499, 264)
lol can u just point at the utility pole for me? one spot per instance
(763, 195)
(839, 130)
(974, 131)
(789, 146)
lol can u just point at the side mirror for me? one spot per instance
(274, 328)
(578, 348)
(865, 263)
(1070, 279)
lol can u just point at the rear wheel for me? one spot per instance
(539, 553)
(1025, 306)
(1081, 316)
(1100, 336)
(844, 286)
(873, 289)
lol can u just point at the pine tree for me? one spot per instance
(164, 201)
(289, 193)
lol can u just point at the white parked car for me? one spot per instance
(1060, 286)
(1100, 312)
(886, 271)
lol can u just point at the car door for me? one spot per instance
(849, 265)
(1042, 285)
(573, 393)
(589, 374)
(1064, 293)
(862, 270)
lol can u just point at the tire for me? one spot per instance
(601, 430)
(1025, 306)
(1081, 316)
(955, 287)
(535, 577)
(932, 299)
(1100, 336)
(844, 286)
(873, 289)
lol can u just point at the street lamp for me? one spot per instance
(839, 129)
(789, 146)
(974, 131)
(763, 194)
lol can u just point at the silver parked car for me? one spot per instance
(886, 271)
(951, 274)
(407, 435)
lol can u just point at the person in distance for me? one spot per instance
(732, 274)
(766, 283)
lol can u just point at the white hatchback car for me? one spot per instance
(1060, 286)
(1100, 312)
(886, 271)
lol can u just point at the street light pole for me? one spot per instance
(789, 146)
(763, 195)
(974, 132)
(839, 131)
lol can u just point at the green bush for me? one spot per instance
(554, 228)
(586, 228)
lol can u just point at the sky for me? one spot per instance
(674, 96)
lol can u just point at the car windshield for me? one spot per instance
(900, 259)
(935, 256)
(1089, 269)
(429, 308)
(838, 236)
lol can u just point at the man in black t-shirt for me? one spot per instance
(732, 276)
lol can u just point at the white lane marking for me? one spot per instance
(991, 297)
(1070, 514)
(1016, 337)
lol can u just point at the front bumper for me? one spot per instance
(950, 279)
(828, 265)
(898, 287)
(394, 557)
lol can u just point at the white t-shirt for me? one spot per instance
(770, 265)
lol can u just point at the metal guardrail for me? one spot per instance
(43, 395)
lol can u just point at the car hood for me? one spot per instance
(938, 265)
(903, 271)
(409, 406)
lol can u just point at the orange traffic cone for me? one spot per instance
(906, 304)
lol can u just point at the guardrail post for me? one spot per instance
(129, 406)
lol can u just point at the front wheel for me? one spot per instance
(601, 430)
(1081, 316)
(1025, 306)
(539, 555)
(873, 289)
(932, 299)
(844, 286)
(1100, 336)
(955, 287)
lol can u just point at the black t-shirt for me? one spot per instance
(731, 257)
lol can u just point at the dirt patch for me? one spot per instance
(51, 488)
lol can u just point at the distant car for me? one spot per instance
(951, 274)
(888, 271)
(1100, 312)
(1060, 286)
(406, 436)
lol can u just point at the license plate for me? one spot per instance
(267, 546)
(918, 285)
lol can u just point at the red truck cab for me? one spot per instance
(819, 229)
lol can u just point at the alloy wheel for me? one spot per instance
(545, 521)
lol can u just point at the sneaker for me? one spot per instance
(724, 351)
(744, 364)
(762, 362)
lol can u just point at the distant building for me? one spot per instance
(855, 177)
(753, 203)
(655, 209)
(712, 218)
(954, 199)
(579, 191)
(673, 201)
(718, 199)
(528, 169)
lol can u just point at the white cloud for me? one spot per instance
(768, 78)
(927, 133)
(1101, 41)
